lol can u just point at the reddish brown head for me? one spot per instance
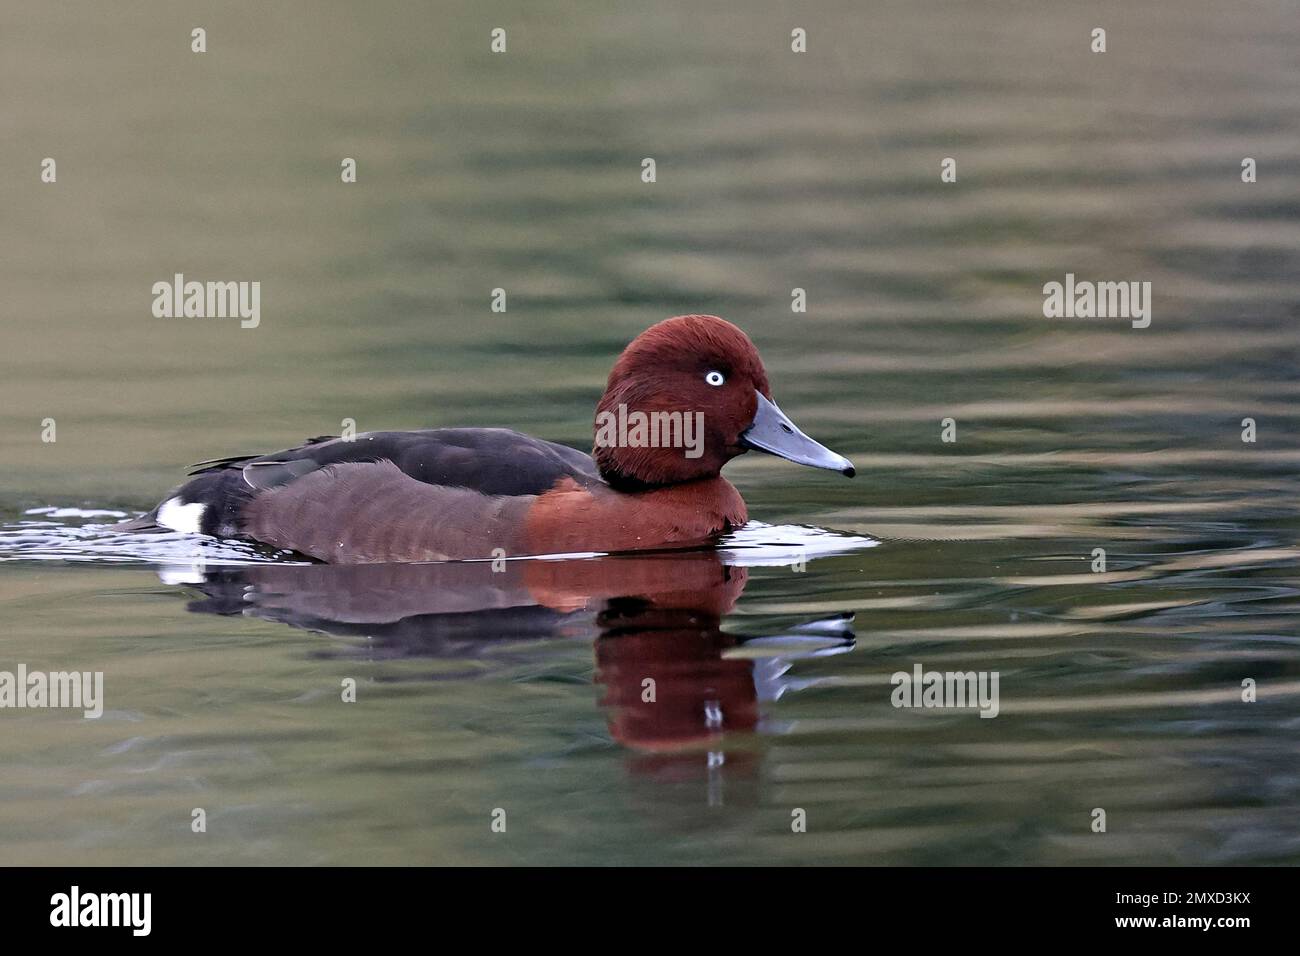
(687, 396)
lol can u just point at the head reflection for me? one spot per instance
(673, 681)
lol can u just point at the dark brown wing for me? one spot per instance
(492, 461)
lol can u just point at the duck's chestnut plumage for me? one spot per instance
(481, 493)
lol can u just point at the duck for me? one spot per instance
(685, 397)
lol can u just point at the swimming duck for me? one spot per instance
(685, 397)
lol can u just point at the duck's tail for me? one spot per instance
(209, 503)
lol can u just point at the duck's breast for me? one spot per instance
(572, 518)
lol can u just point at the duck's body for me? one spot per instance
(445, 493)
(483, 493)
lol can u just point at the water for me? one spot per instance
(224, 663)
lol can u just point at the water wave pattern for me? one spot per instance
(81, 536)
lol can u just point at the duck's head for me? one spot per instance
(688, 395)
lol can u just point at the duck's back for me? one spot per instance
(379, 496)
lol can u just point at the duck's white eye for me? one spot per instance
(715, 378)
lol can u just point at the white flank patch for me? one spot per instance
(172, 514)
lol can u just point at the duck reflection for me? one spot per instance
(674, 681)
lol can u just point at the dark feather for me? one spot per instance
(491, 461)
(261, 475)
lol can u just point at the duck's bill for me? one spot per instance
(775, 434)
